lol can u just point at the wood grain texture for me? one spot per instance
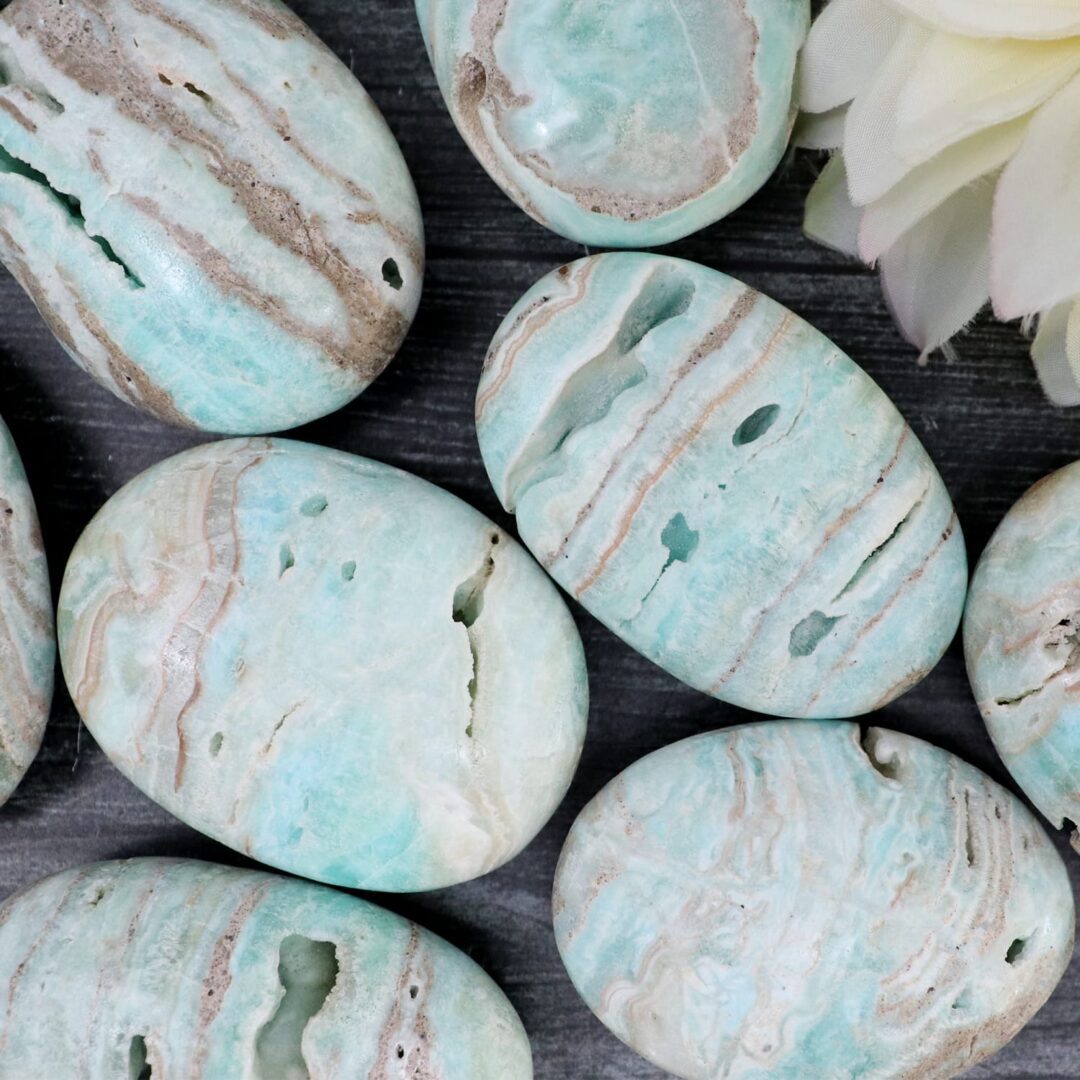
(983, 419)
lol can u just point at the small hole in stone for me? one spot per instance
(755, 425)
(138, 1067)
(1016, 950)
(413, 991)
(401, 1051)
(162, 77)
(215, 743)
(191, 88)
(286, 560)
(348, 571)
(314, 506)
(391, 274)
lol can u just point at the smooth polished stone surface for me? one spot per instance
(783, 900)
(206, 207)
(27, 637)
(174, 968)
(620, 123)
(326, 663)
(1022, 644)
(721, 486)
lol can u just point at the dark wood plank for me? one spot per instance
(982, 417)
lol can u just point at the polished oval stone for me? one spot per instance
(621, 123)
(721, 486)
(27, 638)
(206, 207)
(175, 968)
(1022, 642)
(785, 900)
(325, 663)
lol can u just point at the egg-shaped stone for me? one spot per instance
(789, 900)
(27, 636)
(721, 486)
(620, 123)
(1022, 643)
(325, 663)
(175, 968)
(205, 205)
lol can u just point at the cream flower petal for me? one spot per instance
(961, 85)
(870, 132)
(830, 217)
(820, 131)
(927, 187)
(1036, 238)
(847, 43)
(937, 277)
(1056, 352)
(1034, 19)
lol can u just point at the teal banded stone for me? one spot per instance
(206, 207)
(620, 123)
(173, 968)
(27, 637)
(721, 486)
(326, 663)
(1022, 642)
(788, 900)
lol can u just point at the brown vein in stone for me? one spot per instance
(17, 115)
(714, 340)
(155, 10)
(404, 1043)
(684, 441)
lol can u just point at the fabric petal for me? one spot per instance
(1036, 237)
(821, 131)
(1056, 353)
(870, 132)
(924, 189)
(937, 277)
(847, 43)
(962, 85)
(1033, 19)
(830, 217)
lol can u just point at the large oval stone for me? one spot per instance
(620, 123)
(1022, 641)
(721, 486)
(785, 900)
(27, 637)
(173, 968)
(326, 663)
(205, 205)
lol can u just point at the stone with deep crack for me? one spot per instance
(326, 663)
(205, 205)
(721, 486)
(173, 968)
(1022, 643)
(620, 123)
(792, 900)
(27, 638)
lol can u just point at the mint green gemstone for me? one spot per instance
(173, 968)
(1022, 641)
(326, 663)
(721, 486)
(788, 900)
(621, 123)
(27, 638)
(205, 205)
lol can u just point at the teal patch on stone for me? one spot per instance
(787, 900)
(620, 123)
(721, 486)
(1022, 642)
(205, 205)
(172, 968)
(27, 638)
(388, 694)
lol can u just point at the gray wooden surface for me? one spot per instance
(983, 419)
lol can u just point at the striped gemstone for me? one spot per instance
(173, 968)
(788, 900)
(27, 641)
(721, 486)
(205, 205)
